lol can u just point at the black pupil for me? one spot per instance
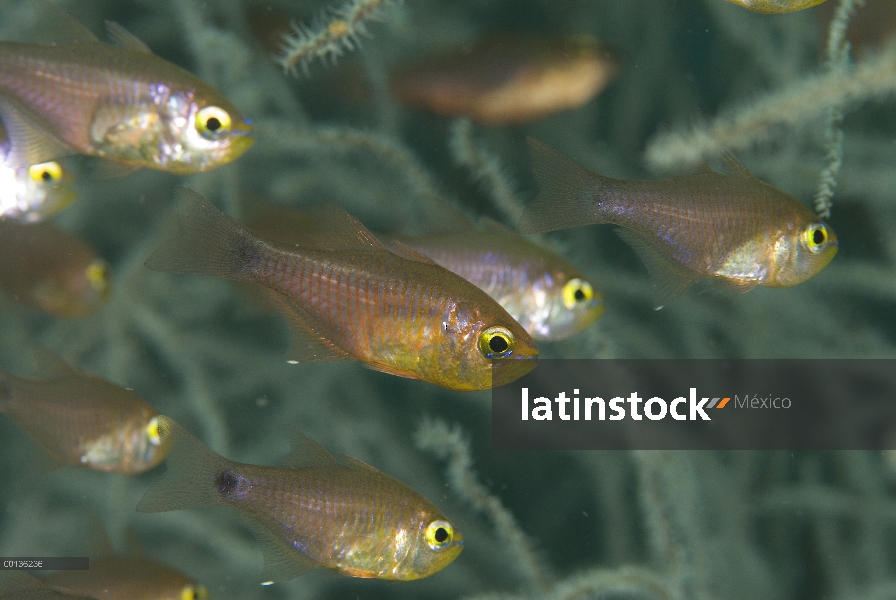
(441, 535)
(579, 295)
(818, 236)
(497, 344)
(213, 124)
(46, 176)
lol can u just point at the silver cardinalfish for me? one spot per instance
(318, 512)
(128, 578)
(734, 228)
(118, 102)
(33, 193)
(346, 296)
(50, 269)
(83, 420)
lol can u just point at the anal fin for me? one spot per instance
(281, 563)
(669, 279)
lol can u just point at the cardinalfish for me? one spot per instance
(19, 585)
(128, 578)
(33, 193)
(346, 296)
(50, 269)
(507, 80)
(85, 421)
(122, 103)
(776, 6)
(733, 228)
(316, 512)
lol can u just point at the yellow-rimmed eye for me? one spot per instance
(190, 592)
(47, 172)
(439, 535)
(577, 292)
(152, 432)
(816, 236)
(98, 276)
(496, 342)
(212, 122)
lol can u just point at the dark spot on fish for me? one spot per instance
(579, 295)
(441, 535)
(213, 124)
(226, 482)
(818, 236)
(498, 344)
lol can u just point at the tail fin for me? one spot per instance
(566, 192)
(193, 473)
(204, 241)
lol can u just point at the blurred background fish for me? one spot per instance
(509, 79)
(118, 102)
(19, 585)
(346, 296)
(776, 6)
(33, 193)
(128, 578)
(50, 269)
(83, 420)
(318, 513)
(735, 228)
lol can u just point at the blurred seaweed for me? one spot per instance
(676, 525)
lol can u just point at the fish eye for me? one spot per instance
(46, 172)
(439, 535)
(193, 593)
(152, 431)
(576, 291)
(496, 342)
(212, 122)
(816, 237)
(98, 275)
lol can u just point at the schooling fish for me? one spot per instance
(347, 297)
(83, 420)
(734, 228)
(128, 578)
(506, 80)
(317, 513)
(776, 6)
(31, 194)
(51, 270)
(546, 294)
(122, 103)
(18, 585)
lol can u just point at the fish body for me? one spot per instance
(120, 103)
(348, 297)
(32, 193)
(546, 294)
(776, 6)
(85, 421)
(507, 80)
(319, 512)
(734, 228)
(50, 269)
(19, 585)
(127, 578)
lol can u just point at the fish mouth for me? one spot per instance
(511, 368)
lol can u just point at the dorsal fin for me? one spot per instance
(735, 166)
(53, 26)
(405, 251)
(358, 464)
(332, 228)
(305, 451)
(123, 38)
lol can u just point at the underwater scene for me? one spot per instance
(286, 248)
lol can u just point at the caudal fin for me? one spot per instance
(566, 192)
(204, 241)
(192, 476)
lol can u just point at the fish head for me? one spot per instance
(436, 543)
(213, 134)
(480, 347)
(74, 289)
(39, 191)
(802, 253)
(560, 305)
(132, 447)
